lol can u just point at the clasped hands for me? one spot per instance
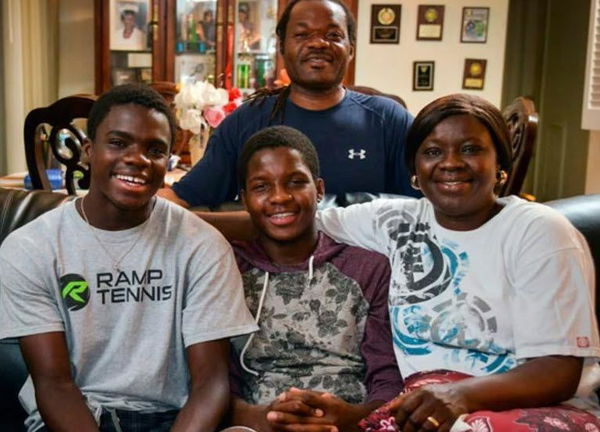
(433, 407)
(298, 410)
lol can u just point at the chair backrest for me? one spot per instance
(375, 92)
(52, 129)
(522, 120)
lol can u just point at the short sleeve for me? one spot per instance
(553, 312)
(355, 225)
(214, 306)
(27, 304)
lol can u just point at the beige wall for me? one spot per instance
(389, 67)
(592, 181)
(76, 45)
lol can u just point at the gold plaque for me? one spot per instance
(386, 16)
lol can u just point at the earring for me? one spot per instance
(502, 176)
(414, 182)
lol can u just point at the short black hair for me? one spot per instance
(281, 28)
(459, 104)
(274, 137)
(137, 94)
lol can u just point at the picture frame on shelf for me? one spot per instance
(423, 75)
(474, 74)
(430, 22)
(385, 23)
(475, 22)
(123, 76)
(128, 25)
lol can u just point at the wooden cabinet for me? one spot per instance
(230, 42)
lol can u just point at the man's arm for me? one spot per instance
(59, 401)
(209, 392)
(170, 194)
(234, 225)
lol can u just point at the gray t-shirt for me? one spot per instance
(126, 330)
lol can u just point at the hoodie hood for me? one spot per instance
(252, 254)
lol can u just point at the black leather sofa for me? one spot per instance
(19, 207)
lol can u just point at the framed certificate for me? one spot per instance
(385, 23)
(474, 24)
(430, 22)
(474, 74)
(423, 75)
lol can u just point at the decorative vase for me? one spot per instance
(197, 145)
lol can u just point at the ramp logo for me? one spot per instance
(75, 291)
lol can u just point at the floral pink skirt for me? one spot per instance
(545, 419)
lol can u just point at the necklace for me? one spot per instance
(115, 263)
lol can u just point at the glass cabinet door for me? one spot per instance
(195, 40)
(130, 42)
(255, 44)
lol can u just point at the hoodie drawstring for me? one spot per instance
(256, 319)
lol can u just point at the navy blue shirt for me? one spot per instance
(360, 143)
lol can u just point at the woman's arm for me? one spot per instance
(538, 382)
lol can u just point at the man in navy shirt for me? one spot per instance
(359, 138)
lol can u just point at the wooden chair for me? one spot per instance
(52, 129)
(522, 121)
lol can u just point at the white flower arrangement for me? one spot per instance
(200, 105)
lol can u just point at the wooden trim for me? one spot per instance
(225, 34)
(169, 16)
(101, 46)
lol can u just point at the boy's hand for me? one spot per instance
(311, 411)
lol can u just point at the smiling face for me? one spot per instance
(128, 160)
(316, 49)
(281, 196)
(456, 167)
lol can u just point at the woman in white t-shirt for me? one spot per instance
(490, 298)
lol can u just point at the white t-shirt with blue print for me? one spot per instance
(480, 301)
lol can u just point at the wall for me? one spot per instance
(13, 86)
(3, 149)
(389, 67)
(76, 47)
(592, 181)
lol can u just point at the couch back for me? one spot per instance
(584, 212)
(17, 207)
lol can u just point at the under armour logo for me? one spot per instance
(362, 154)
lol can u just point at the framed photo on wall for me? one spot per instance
(128, 23)
(430, 22)
(385, 23)
(475, 24)
(474, 74)
(423, 72)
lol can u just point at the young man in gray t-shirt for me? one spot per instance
(123, 302)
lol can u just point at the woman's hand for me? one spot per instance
(433, 407)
